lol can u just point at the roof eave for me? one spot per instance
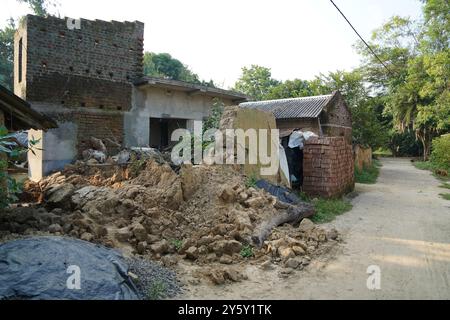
(191, 89)
(14, 106)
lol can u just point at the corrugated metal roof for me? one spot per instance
(305, 107)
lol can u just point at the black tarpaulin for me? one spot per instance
(37, 268)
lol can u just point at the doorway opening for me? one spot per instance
(161, 131)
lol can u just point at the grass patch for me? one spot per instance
(383, 153)
(445, 185)
(438, 172)
(446, 196)
(328, 209)
(369, 174)
(424, 165)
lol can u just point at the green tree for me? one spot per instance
(368, 128)
(415, 83)
(256, 82)
(291, 89)
(163, 65)
(7, 54)
(10, 149)
(38, 7)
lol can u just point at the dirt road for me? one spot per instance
(399, 224)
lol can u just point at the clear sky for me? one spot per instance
(295, 38)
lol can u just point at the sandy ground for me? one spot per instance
(399, 224)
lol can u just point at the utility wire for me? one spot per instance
(362, 39)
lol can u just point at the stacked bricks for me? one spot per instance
(328, 167)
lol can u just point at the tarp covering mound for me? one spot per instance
(47, 268)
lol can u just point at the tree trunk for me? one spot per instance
(293, 214)
(426, 138)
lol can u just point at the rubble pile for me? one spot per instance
(204, 214)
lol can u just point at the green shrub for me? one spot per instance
(440, 156)
(446, 196)
(369, 174)
(10, 149)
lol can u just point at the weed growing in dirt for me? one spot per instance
(369, 174)
(177, 244)
(328, 209)
(251, 181)
(304, 197)
(157, 290)
(247, 252)
(136, 165)
(446, 196)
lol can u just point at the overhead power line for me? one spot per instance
(362, 39)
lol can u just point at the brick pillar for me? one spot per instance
(3, 165)
(328, 167)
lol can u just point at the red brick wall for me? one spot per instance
(328, 167)
(99, 124)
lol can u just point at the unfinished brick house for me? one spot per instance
(326, 115)
(89, 78)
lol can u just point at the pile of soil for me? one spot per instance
(203, 214)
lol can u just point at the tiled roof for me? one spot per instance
(306, 107)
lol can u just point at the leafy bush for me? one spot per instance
(10, 148)
(405, 144)
(213, 121)
(440, 156)
(445, 196)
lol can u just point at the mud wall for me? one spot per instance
(241, 118)
(363, 157)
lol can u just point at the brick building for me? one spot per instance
(324, 167)
(326, 115)
(89, 78)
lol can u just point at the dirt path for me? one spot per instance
(400, 224)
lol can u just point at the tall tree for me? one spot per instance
(163, 65)
(416, 83)
(256, 82)
(368, 128)
(291, 89)
(38, 7)
(7, 54)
